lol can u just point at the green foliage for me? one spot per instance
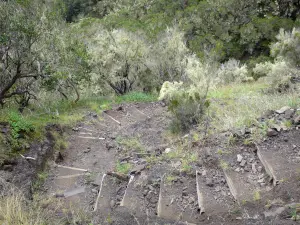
(287, 46)
(19, 125)
(123, 168)
(188, 101)
(132, 144)
(136, 97)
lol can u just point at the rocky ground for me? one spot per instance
(124, 167)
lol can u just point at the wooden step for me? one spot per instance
(116, 117)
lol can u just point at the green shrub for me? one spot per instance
(188, 101)
(19, 125)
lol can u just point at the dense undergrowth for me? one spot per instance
(30, 125)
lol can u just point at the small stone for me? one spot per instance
(262, 184)
(243, 163)
(250, 160)
(184, 193)
(191, 200)
(272, 132)
(261, 176)
(152, 197)
(87, 150)
(94, 191)
(204, 173)
(254, 170)
(112, 203)
(168, 150)
(261, 180)
(138, 169)
(294, 146)
(177, 164)
(239, 158)
(247, 168)
(237, 169)
(288, 114)
(296, 120)
(209, 182)
(239, 218)
(145, 192)
(75, 129)
(109, 146)
(259, 169)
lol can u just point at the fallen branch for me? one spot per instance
(27, 157)
(113, 119)
(118, 175)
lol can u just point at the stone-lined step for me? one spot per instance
(140, 197)
(214, 195)
(281, 163)
(110, 195)
(178, 200)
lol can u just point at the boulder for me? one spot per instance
(272, 132)
(283, 110)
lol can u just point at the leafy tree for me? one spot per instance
(33, 50)
(117, 59)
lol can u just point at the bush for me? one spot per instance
(262, 69)
(287, 46)
(232, 72)
(280, 75)
(19, 125)
(187, 101)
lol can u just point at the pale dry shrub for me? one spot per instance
(232, 71)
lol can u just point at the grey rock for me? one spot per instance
(239, 158)
(243, 163)
(283, 110)
(259, 168)
(261, 180)
(168, 150)
(247, 168)
(177, 164)
(137, 169)
(262, 184)
(288, 114)
(95, 191)
(237, 169)
(275, 212)
(272, 133)
(75, 129)
(184, 193)
(109, 146)
(209, 182)
(87, 150)
(254, 170)
(204, 173)
(296, 120)
(145, 192)
(112, 203)
(152, 198)
(8, 168)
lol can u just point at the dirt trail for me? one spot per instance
(229, 188)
